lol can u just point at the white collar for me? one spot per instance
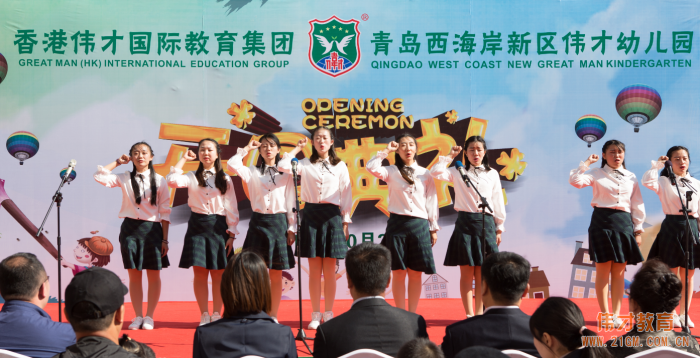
(610, 170)
(366, 298)
(145, 173)
(497, 307)
(212, 170)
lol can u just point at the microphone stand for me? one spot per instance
(483, 206)
(301, 335)
(57, 199)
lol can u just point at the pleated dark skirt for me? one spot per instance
(322, 232)
(669, 245)
(205, 242)
(611, 237)
(465, 244)
(267, 236)
(141, 244)
(408, 240)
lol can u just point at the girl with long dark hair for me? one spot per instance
(212, 225)
(464, 249)
(669, 245)
(411, 231)
(326, 190)
(272, 228)
(615, 233)
(143, 236)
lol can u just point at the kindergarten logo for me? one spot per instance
(334, 45)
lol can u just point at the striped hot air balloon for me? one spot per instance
(22, 145)
(590, 128)
(3, 68)
(71, 176)
(638, 104)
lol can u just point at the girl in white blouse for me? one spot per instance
(272, 228)
(616, 230)
(325, 188)
(411, 231)
(464, 249)
(669, 245)
(143, 237)
(211, 228)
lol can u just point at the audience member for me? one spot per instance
(503, 325)
(95, 309)
(139, 349)
(246, 327)
(420, 348)
(655, 290)
(559, 328)
(25, 327)
(480, 352)
(371, 322)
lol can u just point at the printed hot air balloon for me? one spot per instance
(590, 128)
(638, 104)
(71, 177)
(3, 68)
(22, 145)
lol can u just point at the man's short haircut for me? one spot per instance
(86, 317)
(369, 268)
(420, 348)
(507, 275)
(21, 275)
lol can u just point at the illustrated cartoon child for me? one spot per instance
(93, 251)
(287, 284)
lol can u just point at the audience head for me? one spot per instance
(369, 269)
(245, 285)
(505, 277)
(654, 289)
(480, 352)
(23, 278)
(420, 348)
(557, 327)
(95, 303)
(137, 348)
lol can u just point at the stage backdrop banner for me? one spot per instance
(546, 83)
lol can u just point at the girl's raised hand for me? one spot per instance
(663, 158)
(254, 144)
(190, 156)
(124, 159)
(392, 146)
(592, 159)
(302, 143)
(454, 152)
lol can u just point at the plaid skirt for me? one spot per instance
(465, 244)
(205, 242)
(141, 245)
(267, 236)
(322, 232)
(611, 237)
(408, 240)
(669, 245)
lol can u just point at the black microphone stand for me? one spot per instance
(57, 199)
(301, 335)
(483, 206)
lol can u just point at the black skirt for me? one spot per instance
(408, 240)
(205, 242)
(669, 245)
(611, 237)
(141, 245)
(322, 232)
(465, 244)
(267, 236)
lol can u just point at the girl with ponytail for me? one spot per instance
(411, 231)
(213, 223)
(144, 233)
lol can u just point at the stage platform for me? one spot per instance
(176, 321)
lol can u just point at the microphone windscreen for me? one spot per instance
(295, 160)
(459, 164)
(667, 164)
(72, 163)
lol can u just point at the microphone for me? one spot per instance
(462, 172)
(669, 170)
(688, 196)
(70, 168)
(295, 161)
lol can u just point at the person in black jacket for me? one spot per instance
(246, 327)
(371, 322)
(503, 325)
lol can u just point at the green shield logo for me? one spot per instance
(334, 47)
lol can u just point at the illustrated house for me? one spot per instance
(539, 285)
(435, 287)
(582, 283)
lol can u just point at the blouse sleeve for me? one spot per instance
(290, 201)
(177, 179)
(440, 170)
(374, 166)
(637, 207)
(164, 200)
(651, 177)
(106, 177)
(431, 204)
(285, 164)
(499, 208)
(231, 207)
(235, 164)
(345, 194)
(578, 177)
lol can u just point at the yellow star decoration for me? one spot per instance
(346, 31)
(334, 26)
(242, 116)
(321, 31)
(513, 164)
(451, 116)
(328, 28)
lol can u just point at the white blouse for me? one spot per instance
(144, 211)
(612, 189)
(466, 199)
(271, 192)
(207, 200)
(668, 195)
(322, 184)
(417, 200)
